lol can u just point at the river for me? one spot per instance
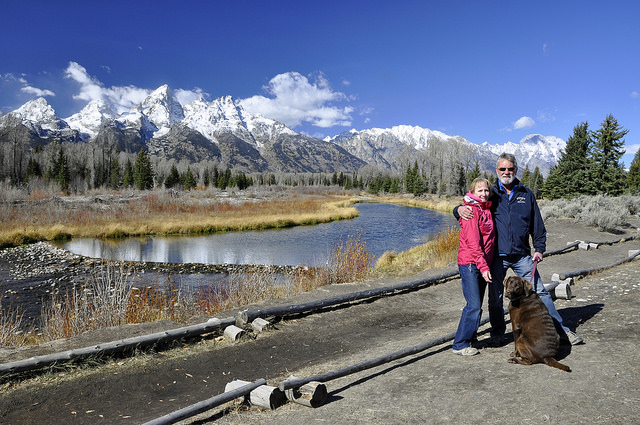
(382, 227)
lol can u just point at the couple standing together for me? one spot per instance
(496, 223)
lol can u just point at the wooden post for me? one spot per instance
(312, 394)
(264, 396)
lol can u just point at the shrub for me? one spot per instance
(11, 334)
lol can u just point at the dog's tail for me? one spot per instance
(550, 361)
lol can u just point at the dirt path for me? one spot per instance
(431, 387)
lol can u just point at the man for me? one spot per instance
(517, 217)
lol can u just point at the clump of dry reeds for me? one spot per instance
(440, 252)
(111, 298)
(11, 334)
(102, 303)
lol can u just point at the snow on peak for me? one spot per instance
(38, 112)
(414, 136)
(89, 120)
(534, 150)
(162, 109)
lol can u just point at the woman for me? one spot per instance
(477, 237)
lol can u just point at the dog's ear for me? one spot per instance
(528, 288)
(505, 282)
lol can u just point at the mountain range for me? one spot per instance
(221, 130)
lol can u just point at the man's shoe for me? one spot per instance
(468, 351)
(496, 341)
(573, 339)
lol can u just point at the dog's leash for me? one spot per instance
(533, 275)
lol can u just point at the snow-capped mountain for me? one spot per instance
(222, 130)
(89, 120)
(40, 118)
(397, 147)
(533, 151)
(161, 109)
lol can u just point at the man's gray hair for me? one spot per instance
(509, 157)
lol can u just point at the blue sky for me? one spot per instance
(491, 71)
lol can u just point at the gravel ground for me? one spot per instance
(434, 386)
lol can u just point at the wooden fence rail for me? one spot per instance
(247, 316)
(205, 405)
(115, 347)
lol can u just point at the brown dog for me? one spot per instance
(534, 334)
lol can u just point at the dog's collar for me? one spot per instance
(518, 298)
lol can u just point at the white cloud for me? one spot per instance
(294, 100)
(545, 48)
(36, 91)
(523, 122)
(631, 149)
(120, 99)
(187, 96)
(546, 116)
(635, 95)
(23, 85)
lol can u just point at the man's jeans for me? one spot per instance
(473, 288)
(521, 266)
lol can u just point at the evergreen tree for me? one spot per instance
(609, 175)
(537, 182)
(61, 173)
(142, 171)
(418, 186)
(189, 180)
(575, 163)
(116, 174)
(474, 174)
(386, 184)
(410, 177)
(33, 169)
(127, 179)
(461, 181)
(242, 181)
(395, 186)
(173, 178)
(553, 188)
(571, 177)
(633, 178)
(205, 177)
(526, 177)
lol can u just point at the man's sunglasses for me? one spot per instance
(509, 168)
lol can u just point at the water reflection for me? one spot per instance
(382, 227)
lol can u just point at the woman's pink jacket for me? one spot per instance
(477, 235)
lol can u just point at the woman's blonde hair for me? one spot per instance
(477, 181)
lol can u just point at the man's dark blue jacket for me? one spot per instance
(515, 220)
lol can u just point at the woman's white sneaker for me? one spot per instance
(468, 351)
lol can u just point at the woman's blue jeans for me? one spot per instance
(473, 287)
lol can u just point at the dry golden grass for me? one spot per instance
(432, 202)
(438, 253)
(160, 214)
